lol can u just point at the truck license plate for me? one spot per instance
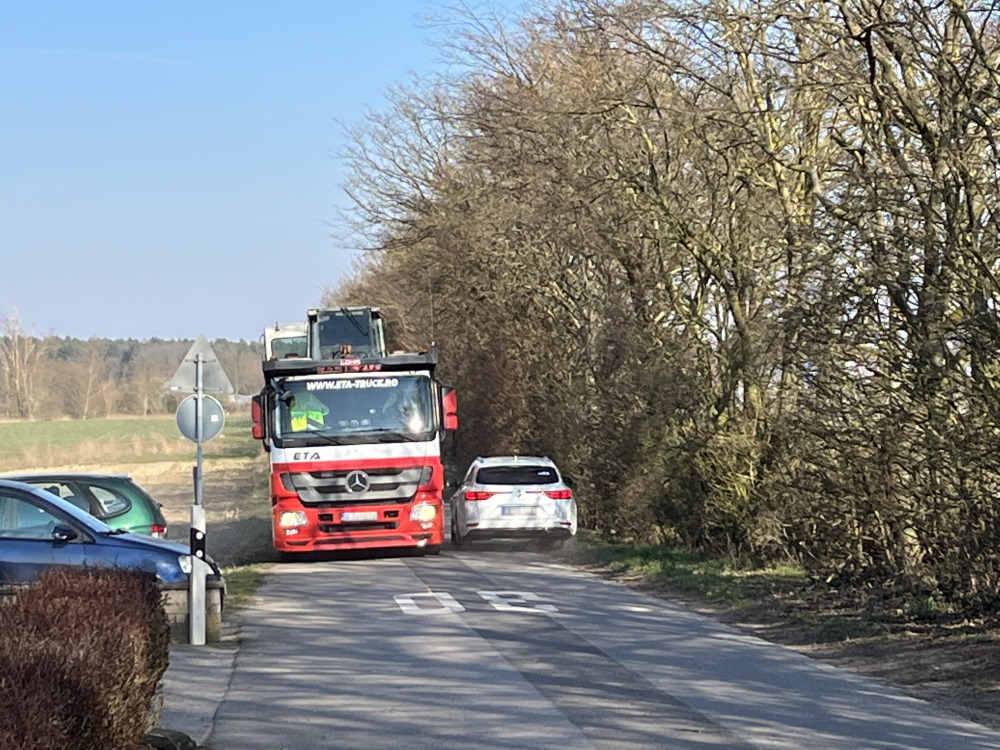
(518, 510)
(359, 515)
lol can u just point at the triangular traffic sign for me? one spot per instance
(213, 377)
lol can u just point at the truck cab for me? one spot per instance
(345, 331)
(354, 446)
(286, 340)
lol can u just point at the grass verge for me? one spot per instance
(242, 582)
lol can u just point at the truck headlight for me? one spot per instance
(423, 512)
(289, 519)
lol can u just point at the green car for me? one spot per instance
(116, 499)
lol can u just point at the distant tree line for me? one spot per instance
(734, 264)
(48, 377)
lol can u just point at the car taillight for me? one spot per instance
(478, 495)
(158, 531)
(560, 494)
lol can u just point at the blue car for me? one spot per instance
(39, 530)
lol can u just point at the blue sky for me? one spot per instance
(167, 169)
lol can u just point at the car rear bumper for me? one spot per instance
(500, 531)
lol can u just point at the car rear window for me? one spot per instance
(517, 475)
(112, 503)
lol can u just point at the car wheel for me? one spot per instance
(456, 540)
(432, 549)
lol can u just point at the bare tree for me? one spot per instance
(739, 256)
(21, 355)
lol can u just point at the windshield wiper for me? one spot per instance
(386, 435)
(347, 314)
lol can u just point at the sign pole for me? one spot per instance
(199, 372)
(199, 410)
(196, 593)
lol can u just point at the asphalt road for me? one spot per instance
(501, 647)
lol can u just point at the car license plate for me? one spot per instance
(518, 510)
(359, 515)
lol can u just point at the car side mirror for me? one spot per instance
(567, 480)
(63, 533)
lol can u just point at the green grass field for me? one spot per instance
(52, 443)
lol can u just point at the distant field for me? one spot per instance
(44, 444)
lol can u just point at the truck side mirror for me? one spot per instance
(257, 415)
(449, 403)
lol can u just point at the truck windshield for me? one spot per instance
(344, 331)
(289, 346)
(361, 409)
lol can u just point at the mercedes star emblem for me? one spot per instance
(357, 481)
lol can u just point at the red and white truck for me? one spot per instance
(355, 451)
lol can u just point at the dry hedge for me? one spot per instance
(82, 654)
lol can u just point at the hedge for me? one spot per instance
(82, 655)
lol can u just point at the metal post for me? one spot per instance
(199, 413)
(196, 592)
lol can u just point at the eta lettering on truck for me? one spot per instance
(355, 451)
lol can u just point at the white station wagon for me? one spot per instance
(513, 497)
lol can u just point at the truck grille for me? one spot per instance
(348, 528)
(328, 489)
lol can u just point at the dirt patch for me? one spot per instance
(234, 496)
